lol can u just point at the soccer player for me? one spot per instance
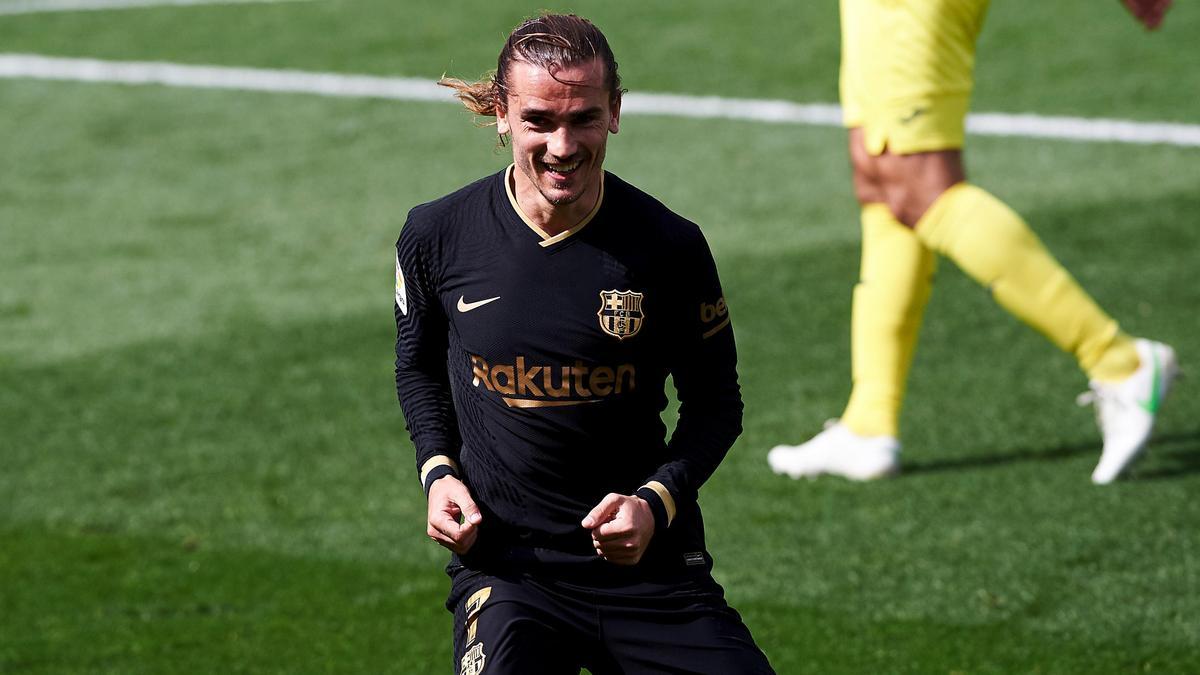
(906, 79)
(539, 311)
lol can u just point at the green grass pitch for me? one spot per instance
(202, 465)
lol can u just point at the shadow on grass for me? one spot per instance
(1180, 449)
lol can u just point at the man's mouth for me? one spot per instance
(562, 169)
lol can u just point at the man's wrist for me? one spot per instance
(437, 467)
(665, 499)
(657, 508)
(439, 472)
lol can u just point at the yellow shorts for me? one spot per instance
(906, 73)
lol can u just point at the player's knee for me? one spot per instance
(906, 206)
(908, 202)
(912, 183)
(909, 195)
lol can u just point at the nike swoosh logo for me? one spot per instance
(1151, 405)
(464, 306)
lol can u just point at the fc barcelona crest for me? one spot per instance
(472, 662)
(621, 313)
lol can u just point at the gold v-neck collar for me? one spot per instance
(547, 239)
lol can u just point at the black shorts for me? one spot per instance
(520, 625)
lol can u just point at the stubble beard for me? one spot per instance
(561, 201)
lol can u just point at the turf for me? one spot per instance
(205, 469)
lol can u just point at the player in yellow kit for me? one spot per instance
(906, 82)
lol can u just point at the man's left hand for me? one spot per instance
(621, 526)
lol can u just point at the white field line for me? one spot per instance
(32, 66)
(219, 77)
(39, 6)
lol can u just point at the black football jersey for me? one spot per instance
(536, 366)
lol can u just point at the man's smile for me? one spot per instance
(563, 169)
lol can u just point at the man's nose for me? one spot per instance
(562, 143)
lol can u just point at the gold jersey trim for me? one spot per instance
(665, 495)
(433, 463)
(534, 403)
(547, 239)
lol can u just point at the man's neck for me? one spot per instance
(552, 219)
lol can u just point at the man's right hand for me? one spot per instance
(450, 502)
(1149, 12)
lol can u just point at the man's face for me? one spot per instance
(558, 130)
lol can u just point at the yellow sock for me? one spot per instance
(895, 281)
(994, 246)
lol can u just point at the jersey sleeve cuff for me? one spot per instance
(662, 504)
(437, 467)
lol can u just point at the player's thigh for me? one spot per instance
(912, 183)
(907, 184)
(704, 637)
(506, 628)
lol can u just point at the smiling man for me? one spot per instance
(539, 312)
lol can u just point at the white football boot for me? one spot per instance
(840, 452)
(1126, 410)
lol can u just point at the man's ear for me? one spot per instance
(502, 126)
(614, 123)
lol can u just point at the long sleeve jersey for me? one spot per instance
(536, 366)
